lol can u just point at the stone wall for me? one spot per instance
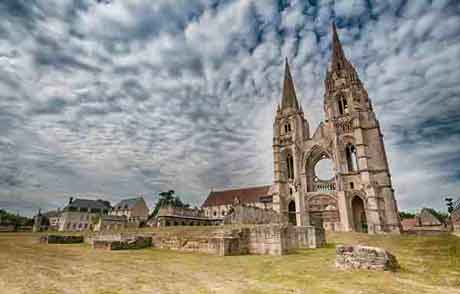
(218, 242)
(60, 239)
(242, 214)
(260, 239)
(364, 257)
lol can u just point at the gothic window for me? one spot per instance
(352, 162)
(290, 166)
(287, 128)
(343, 105)
(292, 213)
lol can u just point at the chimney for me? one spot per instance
(70, 200)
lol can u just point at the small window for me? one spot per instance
(290, 191)
(343, 105)
(352, 185)
(290, 166)
(215, 213)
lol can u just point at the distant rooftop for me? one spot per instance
(128, 203)
(88, 203)
(244, 195)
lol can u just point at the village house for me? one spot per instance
(53, 217)
(134, 209)
(82, 214)
(426, 222)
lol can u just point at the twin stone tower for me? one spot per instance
(339, 175)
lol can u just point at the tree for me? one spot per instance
(450, 204)
(8, 218)
(168, 199)
(405, 215)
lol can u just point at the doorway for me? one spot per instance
(359, 215)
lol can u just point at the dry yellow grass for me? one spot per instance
(429, 265)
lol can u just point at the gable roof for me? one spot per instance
(244, 195)
(128, 203)
(429, 216)
(88, 203)
(52, 213)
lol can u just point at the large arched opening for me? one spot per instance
(291, 213)
(359, 215)
(319, 170)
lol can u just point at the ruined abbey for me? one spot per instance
(338, 176)
(356, 194)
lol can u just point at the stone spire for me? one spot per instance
(338, 60)
(289, 97)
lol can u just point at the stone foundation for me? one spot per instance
(120, 242)
(364, 257)
(61, 239)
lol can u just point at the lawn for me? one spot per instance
(429, 265)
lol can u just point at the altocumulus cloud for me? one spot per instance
(119, 98)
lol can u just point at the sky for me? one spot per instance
(114, 99)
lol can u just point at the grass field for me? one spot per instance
(429, 265)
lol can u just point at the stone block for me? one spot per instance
(365, 257)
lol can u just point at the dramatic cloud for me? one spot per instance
(118, 98)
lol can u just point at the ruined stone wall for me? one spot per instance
(218, 242)
(271, 239)
(242, 214)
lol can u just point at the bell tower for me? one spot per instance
(364, 190)
(290, 129)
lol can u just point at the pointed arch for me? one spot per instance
(359, 215)
(352, 160)
(311, 158)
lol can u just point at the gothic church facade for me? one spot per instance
(357, 193)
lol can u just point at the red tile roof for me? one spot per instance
(244, 195)
(408, 223)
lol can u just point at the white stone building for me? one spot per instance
(135, 210)
(82, 214)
